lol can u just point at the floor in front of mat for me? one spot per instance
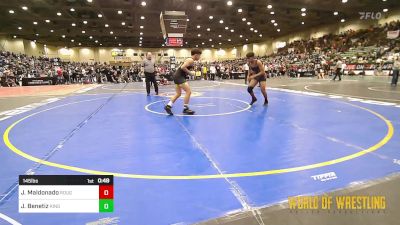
(226, 160)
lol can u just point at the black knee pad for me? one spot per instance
(250, 89)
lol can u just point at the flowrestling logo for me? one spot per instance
(325, 176)
(9, 113)
(105, 221)
(370, 15)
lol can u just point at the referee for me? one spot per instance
(149, 73)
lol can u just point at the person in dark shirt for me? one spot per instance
(256, 75)
(180, 81)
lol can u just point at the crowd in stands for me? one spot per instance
(320, 55)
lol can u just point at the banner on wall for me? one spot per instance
(117, 52)
(122, 58)
(280, 44)
(393, 34)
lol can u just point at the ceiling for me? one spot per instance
(287, 15)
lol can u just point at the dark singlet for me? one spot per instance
(180, 72)
(256, 70)
(180, 75)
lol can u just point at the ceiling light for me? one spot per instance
(220, 43)
(72, 10)
(37, 35)
(47, 21)
(188, 19)
(240, 36)
(232, 30)
(119, 12)
(247, 39)
(143, 3)
(84, 22)
(255, 31)
(72, 40)
(302, 22)
(211, 17)
(260, 35)
(73, 24)
(269, 6)
(272, 13)
(83, 32)
(63, 36)
(79, 44)
(221, 21)
(226, 28)
(212, 46)
(229, 40)
(90, 1)
(198, 26)
(249, 23)
(243, 19)
(303, 14)
(229, 3)
(303, 9)
(335, 13)
(35, 23)
(99, 15)
(106, 25)
(385, 10)
(14, 36)
(344, 1)
(141, 33)
(198, 35)
(219, 35)
(240, 10)
(119, 44)
(251, 29)
(208, 29)
(142, 18)
(279, 30)
(202, 43)
(51, 31)
(198, 7)
(59, 14)
(90, 37)
(96, 41)
(210, 39)
(111, 32)
(141, 27)
(197, 46)
(272, 21)
(11, 11)
(275, 24)
(24, 8)
(342, 20)
(19, 28)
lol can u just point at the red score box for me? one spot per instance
(106, 191)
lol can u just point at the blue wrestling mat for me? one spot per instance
(185, 169)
